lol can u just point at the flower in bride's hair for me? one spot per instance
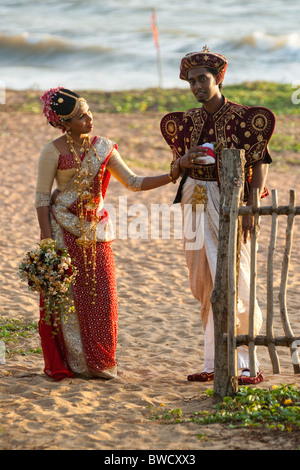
(47, 100)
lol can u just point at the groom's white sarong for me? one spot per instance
(201, 258)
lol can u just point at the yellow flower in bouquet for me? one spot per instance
(50, 272)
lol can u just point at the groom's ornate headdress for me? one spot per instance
(205, 58)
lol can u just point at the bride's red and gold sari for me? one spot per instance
(86, 343)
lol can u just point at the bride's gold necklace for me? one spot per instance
(86, 205)
(83, 146)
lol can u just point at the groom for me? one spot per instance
(221, 124)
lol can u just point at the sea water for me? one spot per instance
(109, 44)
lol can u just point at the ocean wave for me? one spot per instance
(22, 46)
(259, 41)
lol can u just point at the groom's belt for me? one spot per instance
(205, 172)
(209, 173)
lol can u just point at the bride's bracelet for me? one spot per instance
(171, 171)
(171, 177)
(46, 241)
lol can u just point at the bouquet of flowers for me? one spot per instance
(50, 272)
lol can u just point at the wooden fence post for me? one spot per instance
(270, 289)
(284, 279)
(253, 279)
(233, 275)
(231, 176)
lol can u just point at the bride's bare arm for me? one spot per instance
(128, 178)
(43, 214)
(152, 182)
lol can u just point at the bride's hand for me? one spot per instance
(54, 195)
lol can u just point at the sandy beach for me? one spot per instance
(160, 337)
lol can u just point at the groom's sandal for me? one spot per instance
(247, 380)
(201, 377)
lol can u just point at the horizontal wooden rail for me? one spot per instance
(264, 210)
(261, 340)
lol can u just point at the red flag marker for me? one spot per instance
(154, 29)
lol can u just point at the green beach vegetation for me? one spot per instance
(14, 332)
(277, 408)
(282, 99)
(276, 96)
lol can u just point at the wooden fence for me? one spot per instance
(225, 294)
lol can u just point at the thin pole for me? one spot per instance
(156, 41)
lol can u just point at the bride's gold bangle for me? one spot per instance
(171, 171)
(44, 241)
(171, 177)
